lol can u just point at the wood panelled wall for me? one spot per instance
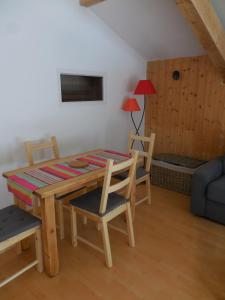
(187, 115)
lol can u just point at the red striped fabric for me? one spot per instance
(23, 182)
(98, 158)
(117, 153)
(56, 172)
(91, 161)
(69, 169)
(21, 196)
(43, 176)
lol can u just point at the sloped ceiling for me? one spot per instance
(154, 28)
(220, 9)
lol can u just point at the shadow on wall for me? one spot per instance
(132, 84)
(79, 144)
(15, 155)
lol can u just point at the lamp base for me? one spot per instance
(137, 128)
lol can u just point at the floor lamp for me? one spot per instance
(131, 105)
(144, 88)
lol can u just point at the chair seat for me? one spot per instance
(14, 221)
(140, 172)
(216, 190)
(91, 202)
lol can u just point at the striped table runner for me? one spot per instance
(23, 184)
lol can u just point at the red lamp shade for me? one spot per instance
(131, 105)
(145, 87)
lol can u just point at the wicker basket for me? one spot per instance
(174, 172)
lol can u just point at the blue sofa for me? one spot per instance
(208, 190)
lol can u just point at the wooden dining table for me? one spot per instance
(47, 195)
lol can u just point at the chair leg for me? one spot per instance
(133, 198)
(38, 247)
(84, 220)
(130, 230)
(59, 205)
(148, 187)
(73, 217)
(107, 250)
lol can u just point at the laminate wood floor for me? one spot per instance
(177, 256)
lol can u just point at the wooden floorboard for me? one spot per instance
(177, 256)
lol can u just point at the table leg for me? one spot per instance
(49, 236)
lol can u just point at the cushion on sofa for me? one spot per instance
(179, 160)
(216, 190)
(223, 163)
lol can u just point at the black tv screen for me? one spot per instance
(81, 88)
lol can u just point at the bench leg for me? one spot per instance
(73, 217)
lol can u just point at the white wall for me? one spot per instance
(37, 39)
(155, 28)
(219, 6)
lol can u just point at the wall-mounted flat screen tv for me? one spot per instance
(81, 88)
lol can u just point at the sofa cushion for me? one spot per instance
(216, 190)
(179, 160)
(223, 163)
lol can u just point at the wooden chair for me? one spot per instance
(104, 204)
(31, 148)
(142, 172)
(15, 226)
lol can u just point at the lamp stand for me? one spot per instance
(137, 128)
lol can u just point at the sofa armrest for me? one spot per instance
(200, 180)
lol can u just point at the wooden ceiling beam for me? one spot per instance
(88, 3)
(208, 28)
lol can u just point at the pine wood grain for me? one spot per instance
(187, 115)
(207, 26)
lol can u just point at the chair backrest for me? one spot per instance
(149, 146)
(34, 147)
(108, 188)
